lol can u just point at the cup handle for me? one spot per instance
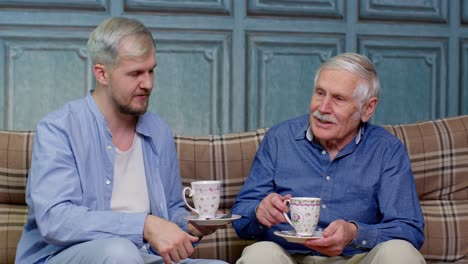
(185, 200)
(286, 215)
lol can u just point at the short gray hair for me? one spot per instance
(105, 39)
(360, 66)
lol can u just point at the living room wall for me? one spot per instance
(237, 65)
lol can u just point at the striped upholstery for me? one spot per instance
(15, 154)
(438, 151)
(439, 159)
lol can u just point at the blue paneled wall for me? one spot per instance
(237, 65)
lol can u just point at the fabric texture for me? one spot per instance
(438, 151)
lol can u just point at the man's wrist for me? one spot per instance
(354, 231)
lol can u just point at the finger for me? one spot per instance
(174, 255)
(192, 239)
(264, 221)
(188, 248)
(278, 203)
(331, 229)
(182, 252)
(166, 258)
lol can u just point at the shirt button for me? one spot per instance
(109, 147)
(328, 178)
(324, 152)
(107, 182)
(364, 242)
(324, 206)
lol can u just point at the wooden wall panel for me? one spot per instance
(413, 75)
(42, 13)
(48, 5)
(40, 77)
(236, 65)
(272, 57)
(219, 7)
(414, 10)
(463, 102)
(464, 12)
(192, 81)
(294, 8)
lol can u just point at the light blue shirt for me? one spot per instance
(69, 185)
(369, 182)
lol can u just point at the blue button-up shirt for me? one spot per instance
(369, 182)
(70, 182)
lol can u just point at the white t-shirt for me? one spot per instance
(130, 192)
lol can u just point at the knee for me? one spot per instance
(120, 250)
(264, 246)
(397, 245)
(265, 252)
(401, 248)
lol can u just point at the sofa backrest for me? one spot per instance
(439, 157)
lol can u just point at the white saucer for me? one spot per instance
(291, 236)
(220, 219)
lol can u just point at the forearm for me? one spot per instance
(67, 224)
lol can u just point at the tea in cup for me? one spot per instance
(206, 196)
(305, 212)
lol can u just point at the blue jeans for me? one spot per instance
(114, 251)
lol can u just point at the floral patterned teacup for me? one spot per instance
(305, 212)
(206, 196)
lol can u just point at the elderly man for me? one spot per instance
(370, 211)
(104, 184)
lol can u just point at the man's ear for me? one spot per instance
(101, 74)
(369, 109)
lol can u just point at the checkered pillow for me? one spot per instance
(227, 158)
(439, 159)
(15, 158)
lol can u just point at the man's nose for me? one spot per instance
(324, 105)
(147, 81)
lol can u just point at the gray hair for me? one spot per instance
(105, 39)
(360, 66)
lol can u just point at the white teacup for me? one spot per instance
(305, 212)
(206, 196)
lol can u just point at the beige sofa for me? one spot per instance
(438, 151)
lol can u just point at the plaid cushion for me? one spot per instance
(12, 219)
(438, 151)
(15, 158)
(439, 156)
(226, 158)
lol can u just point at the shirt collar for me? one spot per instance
(310, 136)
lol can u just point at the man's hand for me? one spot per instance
(270, 211)
(171, 242)
(198, 230)
(335, 238)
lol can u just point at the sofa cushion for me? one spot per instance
(438, 150)
(226, 158)
(15, 159)
(439, 156)
(12, 219)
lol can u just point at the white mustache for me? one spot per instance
(324, 118)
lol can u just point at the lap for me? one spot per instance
(393, 251)
(116, 251)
